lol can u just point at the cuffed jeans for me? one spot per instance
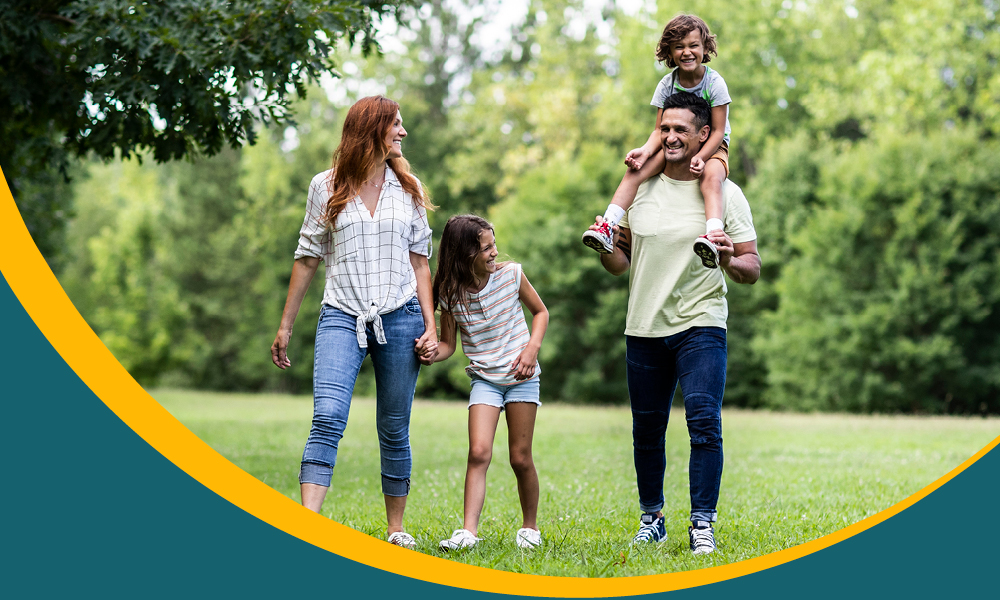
(335, 371)
(697, 359)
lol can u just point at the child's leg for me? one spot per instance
(520, 431)
(625, 194)
(483, 420)
(711, 190)
(601, 237)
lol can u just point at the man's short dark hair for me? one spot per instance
(697, 105)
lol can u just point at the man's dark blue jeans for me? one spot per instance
(696, 358)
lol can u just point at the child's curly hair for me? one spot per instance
(676, 30)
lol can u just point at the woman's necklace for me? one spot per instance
(379, 184)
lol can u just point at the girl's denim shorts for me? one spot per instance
(484, 392)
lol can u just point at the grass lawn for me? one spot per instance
(788, 478)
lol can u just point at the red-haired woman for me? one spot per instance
(367, 220)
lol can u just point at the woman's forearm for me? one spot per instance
(425, 294)
(303, 271)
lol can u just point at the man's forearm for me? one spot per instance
(744, 268)
(618, 261)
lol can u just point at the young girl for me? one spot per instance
(482, 299)
(685, 45)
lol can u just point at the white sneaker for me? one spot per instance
(528, 538)
(403, 539)
(462, 538)
(599, 240)
(702, 539)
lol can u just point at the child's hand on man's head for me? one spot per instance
(697, 166)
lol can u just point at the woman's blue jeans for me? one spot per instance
(335, 371)
(695, 358)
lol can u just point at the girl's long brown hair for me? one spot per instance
(459, 247)
(362, 145)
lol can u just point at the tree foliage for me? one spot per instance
(165, 79)
(889, 298)
(201, 254)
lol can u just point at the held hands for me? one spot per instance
(279, 348)
(697, 166)
(426, 347)
(636, 158)
(524, 366)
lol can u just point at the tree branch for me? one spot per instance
(59, 18)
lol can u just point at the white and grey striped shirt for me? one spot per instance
(368, 270)
(492, 326)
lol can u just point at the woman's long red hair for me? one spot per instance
(362, 145)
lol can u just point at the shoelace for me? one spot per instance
(464, 536)
(460, 539)
(402, 539)
(703, 539)
(646, 532)
(529, 536)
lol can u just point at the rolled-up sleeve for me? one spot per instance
(420, 232)
(314, 236)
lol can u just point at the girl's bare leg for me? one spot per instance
(482, 430)
(520, 431)
(394, 507)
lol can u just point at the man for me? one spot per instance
(676, 324)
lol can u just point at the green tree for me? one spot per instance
(222, 233)
(129, 292)
(889, 296)
(167, 79)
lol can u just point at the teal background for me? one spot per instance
(90, 508)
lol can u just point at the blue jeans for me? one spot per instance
(335, 371)
(697, 359)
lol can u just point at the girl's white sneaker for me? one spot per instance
(528, 538)
(403, 539)
(462, 538)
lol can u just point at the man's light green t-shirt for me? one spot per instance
(670, 291)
